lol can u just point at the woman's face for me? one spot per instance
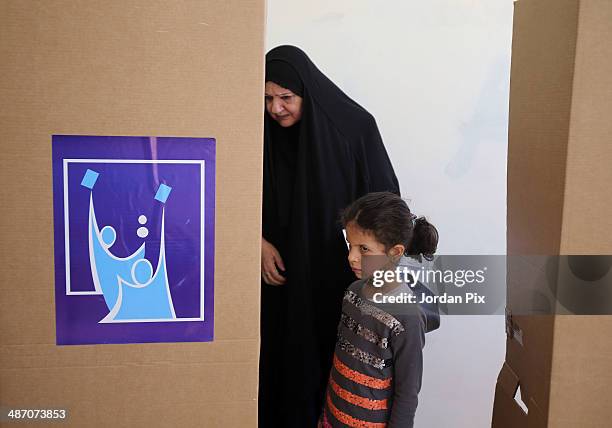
(282, 105)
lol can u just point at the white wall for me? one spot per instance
(435, 75)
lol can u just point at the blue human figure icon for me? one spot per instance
(131, 290)
(105, 266)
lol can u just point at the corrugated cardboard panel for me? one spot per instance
(543, 48)
(580, 381)
(587, 207)
(159, 68)
(559, 202)
(582, 355)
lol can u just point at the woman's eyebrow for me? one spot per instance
(359, 243)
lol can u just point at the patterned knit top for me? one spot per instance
(377, 365)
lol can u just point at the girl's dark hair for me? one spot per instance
(388, 217)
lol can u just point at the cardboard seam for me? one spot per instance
(155, 364)
(122, 345)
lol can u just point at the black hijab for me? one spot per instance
(283, 74)
(312, 170)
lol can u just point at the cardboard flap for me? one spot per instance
(508, 380)
(507, 412)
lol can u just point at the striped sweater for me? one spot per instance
(377, 365)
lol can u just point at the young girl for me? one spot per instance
(378, 362)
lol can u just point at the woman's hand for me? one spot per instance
(271, 261)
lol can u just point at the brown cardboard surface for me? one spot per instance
(559, 202)
(543, 46)
(158, 68)
(586, 214)
(583, 363)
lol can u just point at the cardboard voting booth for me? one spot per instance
(559, 203)
(131, 210)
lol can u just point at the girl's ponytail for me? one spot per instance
(424, 239)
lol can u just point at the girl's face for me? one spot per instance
(282, 105)
(362, 243)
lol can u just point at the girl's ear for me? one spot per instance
(397, 251)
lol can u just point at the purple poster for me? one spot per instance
(134, 239)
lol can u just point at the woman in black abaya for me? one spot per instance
(321, 152)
